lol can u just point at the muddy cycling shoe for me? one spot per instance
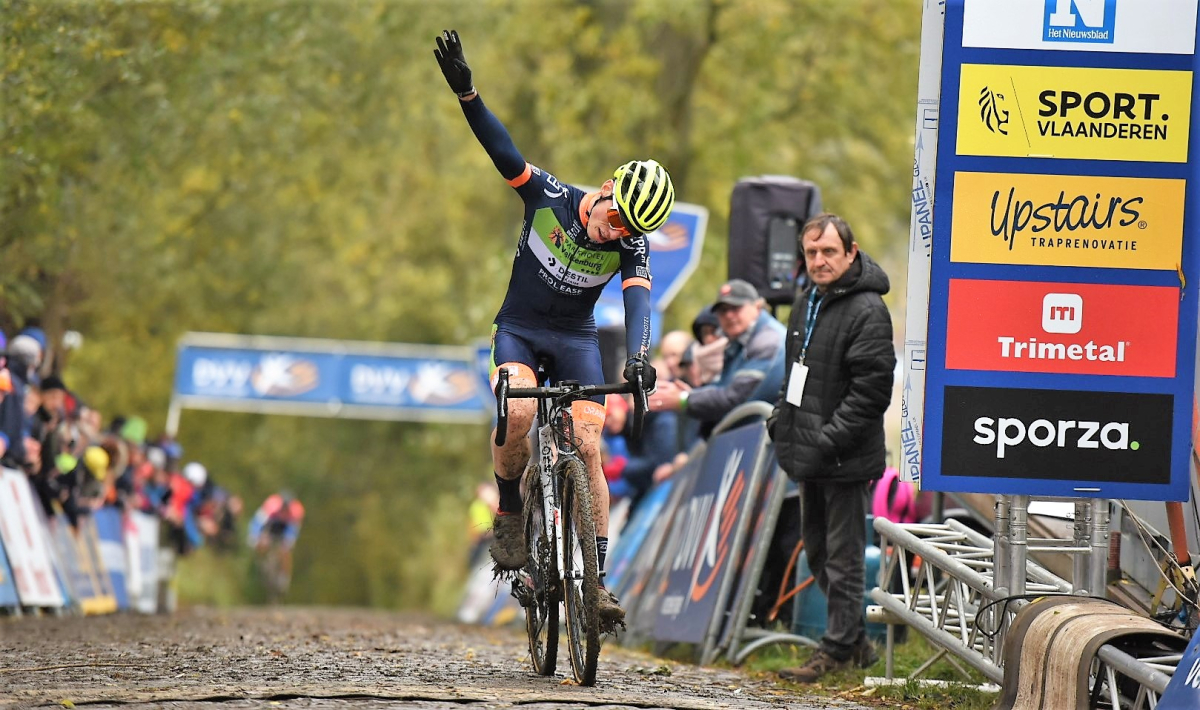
(508, 547)
(612, 616)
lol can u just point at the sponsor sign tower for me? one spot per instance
(1064, 265)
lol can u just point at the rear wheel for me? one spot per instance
(582, 576)
(540, 578)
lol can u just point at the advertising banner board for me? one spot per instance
(25, 543)
(1062, 311)
(1141, 26)
(111, 536)
(329, 378)
(8, 587)
(708, 527)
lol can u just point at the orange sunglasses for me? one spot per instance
(615, 221)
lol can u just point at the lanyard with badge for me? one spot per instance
(795, 388)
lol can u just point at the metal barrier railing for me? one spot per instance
(955, 581)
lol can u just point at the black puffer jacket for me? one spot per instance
(836, 434)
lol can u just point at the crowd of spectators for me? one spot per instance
(733, 355)
(77, 463)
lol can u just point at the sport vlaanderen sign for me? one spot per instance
(1062, 287)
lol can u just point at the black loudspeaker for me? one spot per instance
(766, 214)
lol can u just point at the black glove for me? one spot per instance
(637, 365)
(450, 58)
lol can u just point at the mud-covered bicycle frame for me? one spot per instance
(554, 443)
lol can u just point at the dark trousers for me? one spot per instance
(833, 522)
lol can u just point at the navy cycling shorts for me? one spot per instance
(569, 355)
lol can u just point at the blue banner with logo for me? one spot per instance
(329, 378)
(1062, 299)
(705, 532)
(674, 254)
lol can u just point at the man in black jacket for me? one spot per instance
(828, 427)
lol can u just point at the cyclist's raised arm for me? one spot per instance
(487, 128)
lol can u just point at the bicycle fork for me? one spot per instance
(551, 508)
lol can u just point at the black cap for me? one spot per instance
(735, 292)
(53, 382)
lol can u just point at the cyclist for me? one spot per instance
(572, 243)
(277, 522)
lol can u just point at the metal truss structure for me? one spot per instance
(964, 596)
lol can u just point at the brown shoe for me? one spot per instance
(865, 655)
(508, 547)
(610, 611)
(817, 666)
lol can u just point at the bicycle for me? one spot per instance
(273, 563)
(560, 532)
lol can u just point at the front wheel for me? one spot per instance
(581, 578)
(540, 580)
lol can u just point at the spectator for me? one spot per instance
(479, 515)
(671, 351)
(707, 353)
(828, 427)
(24, 355)
(657, 446)
(614, 448)
(705, 326)
(753, 361)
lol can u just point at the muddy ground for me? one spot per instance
(335, 658)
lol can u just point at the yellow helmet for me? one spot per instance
(96, 460)
(644, 195)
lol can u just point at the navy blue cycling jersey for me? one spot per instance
(558, 272)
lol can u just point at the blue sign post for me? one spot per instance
(674, 254)
(1062, 297)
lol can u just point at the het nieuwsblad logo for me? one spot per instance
(1073, 112)
(1092, 21)
(1067, 220)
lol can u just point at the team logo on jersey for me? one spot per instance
(557, 236)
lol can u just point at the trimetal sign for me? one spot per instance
(1062, 289)
(1083, 329)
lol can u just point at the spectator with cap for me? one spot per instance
(23, 356)
(753, 361)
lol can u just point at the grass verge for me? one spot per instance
(848, 685)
